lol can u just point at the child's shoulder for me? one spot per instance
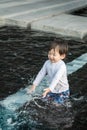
(61, 64)
(47, 62)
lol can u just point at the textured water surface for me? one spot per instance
(22, 54)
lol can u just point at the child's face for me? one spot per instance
(54, 55)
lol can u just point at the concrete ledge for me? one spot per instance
(65, 25)
(10, 3)
(2, 22)
(45, 15)
(44, 9)
(11, 22)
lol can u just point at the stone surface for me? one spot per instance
(45, 15)
(65, 25)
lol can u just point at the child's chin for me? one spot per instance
(52, 61)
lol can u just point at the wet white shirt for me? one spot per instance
(57, 76)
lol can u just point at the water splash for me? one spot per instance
(16, 100)
(8, 106)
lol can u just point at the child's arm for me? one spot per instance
(32, 89)
(40, 75)
(57, 77)
(47, 90)
(38, 78)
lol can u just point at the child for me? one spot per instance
(55, 68)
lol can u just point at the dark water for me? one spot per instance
(22, 53)
(81, 12)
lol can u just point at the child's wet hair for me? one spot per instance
(61, 44)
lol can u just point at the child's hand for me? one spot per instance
(47, 90)
(31, 90)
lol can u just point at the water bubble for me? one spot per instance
(9, 120)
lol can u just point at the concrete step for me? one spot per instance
(64, 24)
(45, 15)
(40, 6)
(49, 10)
(10, 3)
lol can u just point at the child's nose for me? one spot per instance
(51, 56)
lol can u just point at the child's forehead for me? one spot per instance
(54, 50)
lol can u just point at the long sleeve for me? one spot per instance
(40, 75)
(57, 78)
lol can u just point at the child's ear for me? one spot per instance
(63, 56)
